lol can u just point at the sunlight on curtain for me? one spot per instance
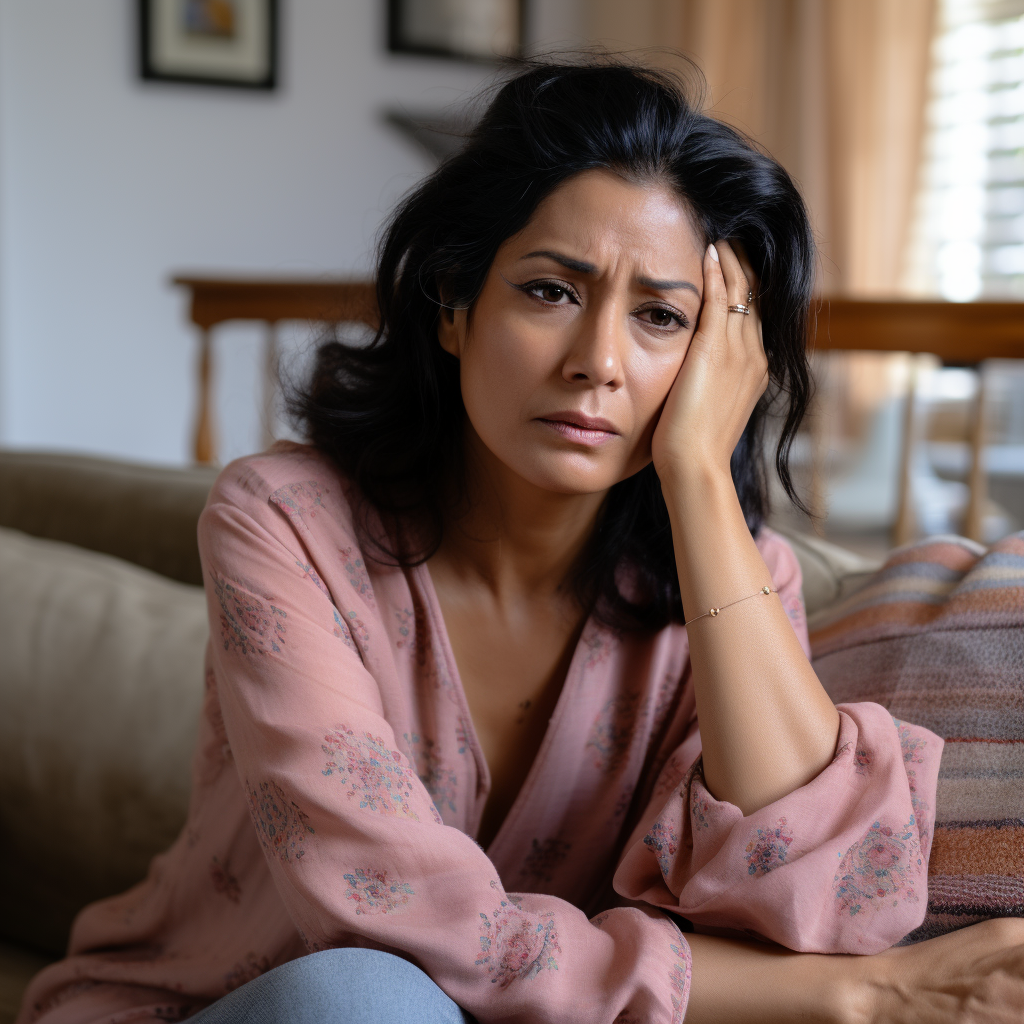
(968, 239)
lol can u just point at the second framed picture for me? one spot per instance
(209, 42)
(477, 30)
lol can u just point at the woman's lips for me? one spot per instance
(574, 426)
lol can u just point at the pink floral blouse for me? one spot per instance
(338, 785)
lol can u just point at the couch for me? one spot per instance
(102, 631)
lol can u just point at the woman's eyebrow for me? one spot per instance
(667, 286)
(582, 267)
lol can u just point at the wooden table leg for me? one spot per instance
(203, 445)
(904, 529)
(820, 431)
(271, 382)
(974, 516)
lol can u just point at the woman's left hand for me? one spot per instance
(724, 373)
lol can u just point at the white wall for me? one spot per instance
(108, 186)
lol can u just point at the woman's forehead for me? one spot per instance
(598, 217)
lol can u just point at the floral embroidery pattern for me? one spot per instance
(300, 500)
(700, 806)
(355, 569)
(215, 751)
(358, 628)
(341, 631)
(663, 842)
(874, 872)
(406, 626)
(767, 848)
(311, 574)
(597, 645)
(462, 736)
(223, 881)
(666, 694)
(516, 945)
(439, 781)
(680, 980)
(625, 798)
(862, 762)
(672, 777)
(280, 824)
(611, 735)
(377, 776)
(245, 970)
(912, 746)
(246, 624)
(544, 859)
(841, 753)
(374, 893)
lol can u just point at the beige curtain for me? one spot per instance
(835, 89)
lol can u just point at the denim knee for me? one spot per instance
(338, 986)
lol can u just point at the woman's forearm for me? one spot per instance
(767, 726)
(754, 983)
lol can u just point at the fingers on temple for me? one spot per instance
(716, 294)
(736, 282)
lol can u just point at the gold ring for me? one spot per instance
(738, 307)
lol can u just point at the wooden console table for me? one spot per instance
(216, 300)
(960, 334)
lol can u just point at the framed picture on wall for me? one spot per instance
(209, 42)
(477, 30)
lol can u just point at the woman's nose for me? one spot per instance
(595, 357)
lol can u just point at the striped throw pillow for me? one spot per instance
(937, 637)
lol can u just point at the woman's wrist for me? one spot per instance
(747, 982)
(693, 482)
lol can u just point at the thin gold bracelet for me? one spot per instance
(714, 611)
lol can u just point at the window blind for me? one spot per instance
(968, 235)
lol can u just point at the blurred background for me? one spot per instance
(143, 140)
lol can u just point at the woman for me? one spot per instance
(522, 558)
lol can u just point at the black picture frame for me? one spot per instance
(154, 65)
(401, 38)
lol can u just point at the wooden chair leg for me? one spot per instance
(904, 529)
(819, 430)
(974, 517)
(203, 444)
(271, 383)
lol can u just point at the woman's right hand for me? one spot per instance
(971, 976)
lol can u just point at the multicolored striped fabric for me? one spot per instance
(937, 637)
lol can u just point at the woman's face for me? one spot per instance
(582, 324)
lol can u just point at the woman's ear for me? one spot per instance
(451, 325)
(448, 333)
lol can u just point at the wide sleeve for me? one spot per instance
(839, 865)
(351, 836)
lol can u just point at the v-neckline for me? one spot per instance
(483, 769)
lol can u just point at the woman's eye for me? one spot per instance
(660, 317)
(550, 291)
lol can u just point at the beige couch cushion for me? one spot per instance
(101, 683)
(831, 573)
(145, 514)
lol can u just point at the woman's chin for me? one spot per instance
(572, 474)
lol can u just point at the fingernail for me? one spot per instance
(714, 253)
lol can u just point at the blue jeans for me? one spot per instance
(337, 986)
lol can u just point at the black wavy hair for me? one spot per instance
(391, 413)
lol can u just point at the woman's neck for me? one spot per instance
(518, 539)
